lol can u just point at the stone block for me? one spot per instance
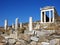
(22, 42)
(13, 36)
(45, 43)
(29, 32)
(18, 43)
(40, 33)
(43, 39)
(33, 43)
(25, 37)
(55, 42)
(11, 41)
(38, 43)
(2, 44)
(34, 38)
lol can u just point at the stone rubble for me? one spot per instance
(33, 43)
(27, 39)
(34, 38)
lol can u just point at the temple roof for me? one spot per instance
(47, 7)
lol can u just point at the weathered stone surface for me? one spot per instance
(13, 36)
(18, 43)
(34, 38)
(11, 41)
(45, 43)
(29, 32)
(28, 44)
(55, 42)
(43, 39)
(33, 43)
(22, 42)
(1, 38)
(40, 33)
(2, 44)
(38, 43)
(25, 37)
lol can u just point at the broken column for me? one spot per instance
(30, 24)
(16, 24)
(30, 31)
(6, 25)
(12, 25)
(16, 28)
(20, 25)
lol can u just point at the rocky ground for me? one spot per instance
(40, 38)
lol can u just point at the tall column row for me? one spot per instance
(51, 16)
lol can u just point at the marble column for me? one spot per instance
(12, 25)
(16, 24)
(30, 24)
(6, 25)
(53, 16)
(20, 25)
(50, 16)
(41, 17)
(44, 17)
(16, 28)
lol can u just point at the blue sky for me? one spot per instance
(23, 9)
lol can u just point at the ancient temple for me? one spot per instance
(48, 14)
(49, 17)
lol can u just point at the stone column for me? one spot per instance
(30, 24)
(16, 24)
(6, 25)
(16, 28)
(20, 25)
(12, 25)
(41, 17)
(53, 16)
(44, 17)
(50, 16)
